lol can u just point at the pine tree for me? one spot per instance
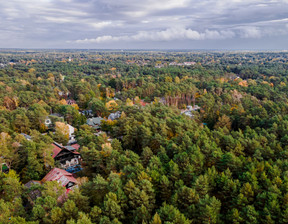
(156, 219)
(111, 207)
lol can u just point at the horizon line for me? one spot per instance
(147, 49)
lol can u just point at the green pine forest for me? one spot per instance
(227, 163)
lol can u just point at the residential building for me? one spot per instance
(114, 116)
(28, 137)
(66, 157)
(70, 102)
(62, 177)
(72, 139)
(94, 122)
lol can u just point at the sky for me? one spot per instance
(144, 24)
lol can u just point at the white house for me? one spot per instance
(71, 134)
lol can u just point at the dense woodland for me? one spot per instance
(228, 163)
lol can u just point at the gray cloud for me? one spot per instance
(146, 23)
(165, 35)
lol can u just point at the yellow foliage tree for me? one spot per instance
(123, 115)
(111, 105)
(129, 102)
(51, 77)
(156, 100)
(9, 103)
(31, 70)
(177, 79)
(168, 79)
(137, 100)
(63, 102)
(222, 122)
(61, 132)
(75, 106)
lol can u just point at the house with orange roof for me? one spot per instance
(64, 178)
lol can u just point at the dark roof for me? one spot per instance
(57, 148)
(28, 137)
(114, 116)
(32, 182)
(70, 148)
(33, 194)
(94, 121)
(70, 102)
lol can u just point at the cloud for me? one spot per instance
(165, 35)
(250, 32)
(178, 34)
(53, 22)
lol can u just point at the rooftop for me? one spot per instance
(28, 137)
(59, 175)
(94, 121)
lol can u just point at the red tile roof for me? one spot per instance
(59, 175)
(70, 102)
(56, 150)
(143, 103)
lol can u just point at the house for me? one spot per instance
(70, 102)
(62, 177)
(34, 192)
(143, 103)
(162, 100)
(188, 113)
(189, 63)
(193, 108)
(62, 93)
(71, 134)
(52, 118)
(70, 148)
(48, 122)
(189, 110)
(186, 63)
(28, 137)
(56, 115)
(88, 113)
(71, 130)
(75, 146)
(64, 156)
(95, 122)
(114, 116)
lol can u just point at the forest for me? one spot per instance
(148, 137)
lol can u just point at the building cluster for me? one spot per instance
(187, 63)
(189, 110)
(64, 178)
(68, 159)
